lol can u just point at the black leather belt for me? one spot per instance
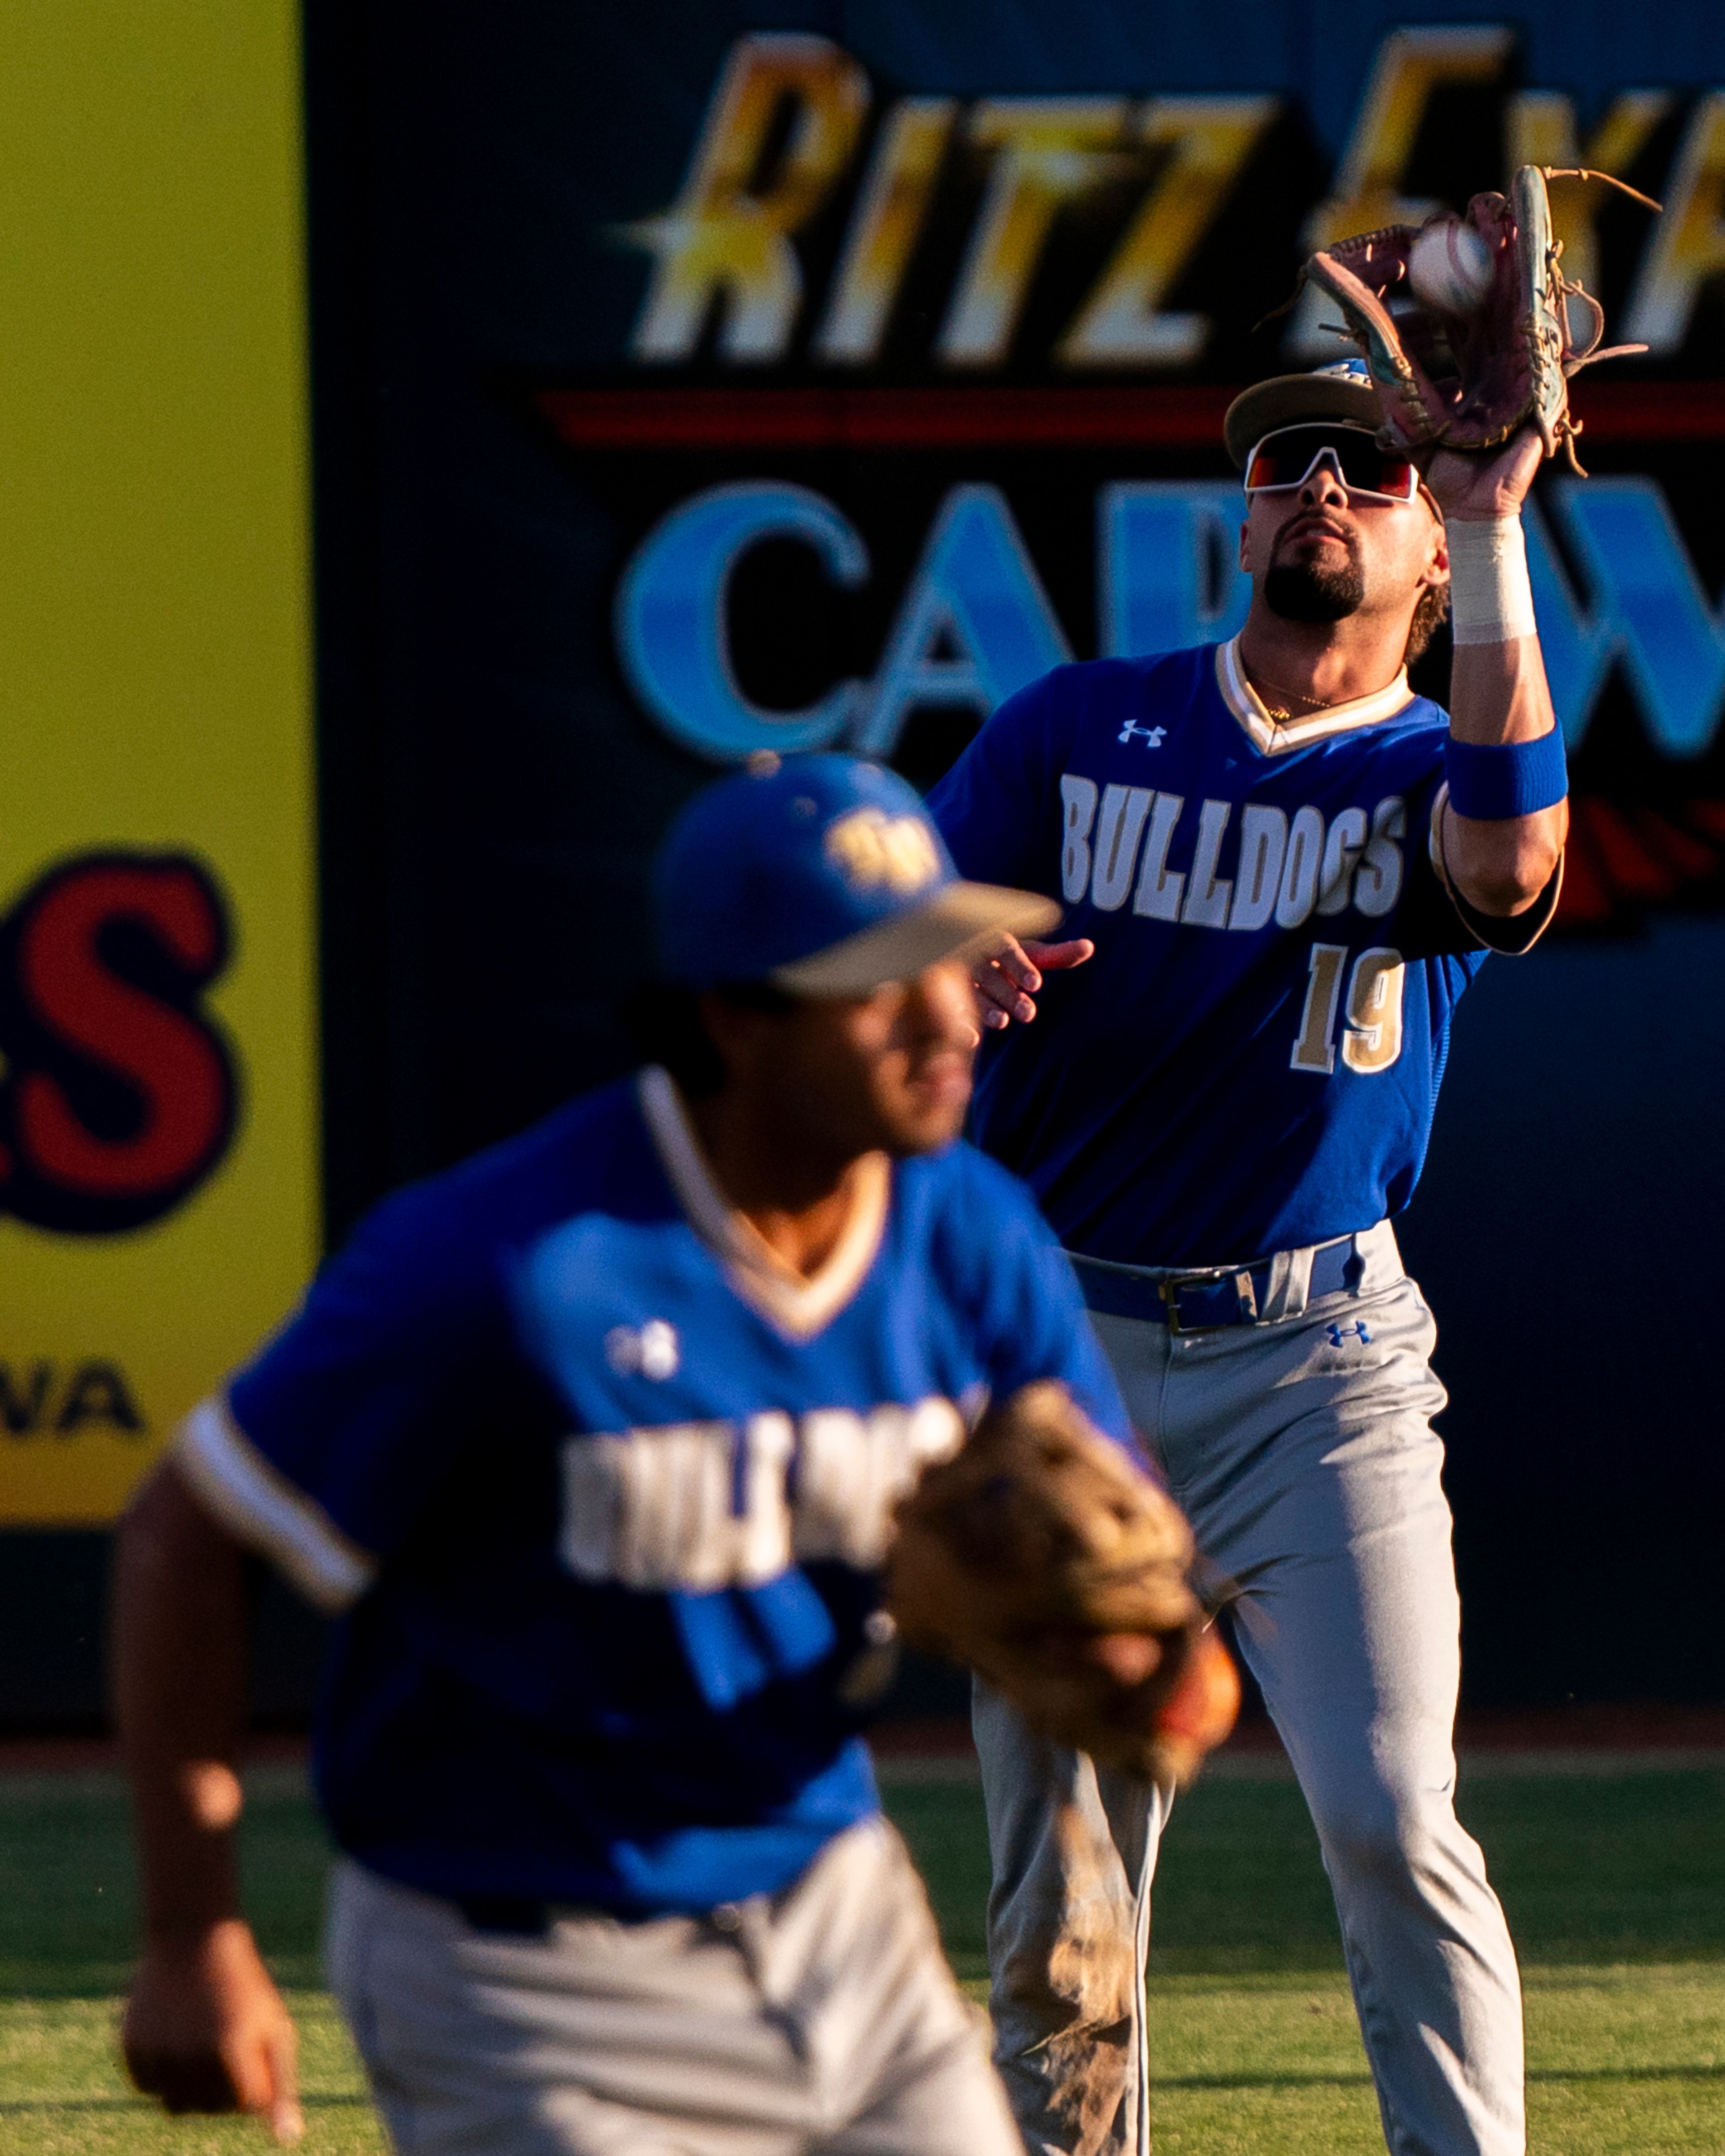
(1204, 1301)
(512, 1915)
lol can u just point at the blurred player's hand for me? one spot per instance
(1007, 980)
(206, 2030)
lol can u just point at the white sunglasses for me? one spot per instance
(1286, 458)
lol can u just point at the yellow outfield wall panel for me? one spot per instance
(158, 1096)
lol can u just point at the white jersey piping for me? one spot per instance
(798, 1306)
(260, 1507)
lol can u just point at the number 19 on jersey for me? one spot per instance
(1372, 1032)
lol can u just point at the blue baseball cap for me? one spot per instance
(823, 874)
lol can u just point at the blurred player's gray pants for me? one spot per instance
(822, 2021)
(1302, 1450)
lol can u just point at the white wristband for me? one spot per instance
(1490, 600)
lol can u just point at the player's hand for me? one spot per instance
(206, 2030)
(1478, 488)
(1008, 979)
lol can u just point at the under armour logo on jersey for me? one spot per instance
(1153, 735)
(650, 1353)
(1338, 1333)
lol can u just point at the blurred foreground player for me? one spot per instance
(1282, 869)
(594, 1444)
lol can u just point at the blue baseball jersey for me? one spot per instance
(602, 1491)
(1250, 1060)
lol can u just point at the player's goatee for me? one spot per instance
(1309, 591)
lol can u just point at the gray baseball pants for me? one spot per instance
(822, 2021)
(1302, 1449)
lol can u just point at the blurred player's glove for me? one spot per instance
(1465, 366)
(1043, 1559)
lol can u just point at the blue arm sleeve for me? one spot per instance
(362, 1400)
(998, 806)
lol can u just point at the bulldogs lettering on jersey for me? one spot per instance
(701, 1506)
(1250, 1060)
(1286, 869)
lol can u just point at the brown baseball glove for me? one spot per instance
(1467, 376)
(1043, 1559)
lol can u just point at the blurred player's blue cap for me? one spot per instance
(1343, 390)
(823, 874)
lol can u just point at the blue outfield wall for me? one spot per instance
(1567, 1236)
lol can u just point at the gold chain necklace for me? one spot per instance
(1282, 715)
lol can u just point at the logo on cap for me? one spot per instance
(871, 848)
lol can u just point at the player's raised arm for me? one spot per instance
(1504, 816)
(205, 2028)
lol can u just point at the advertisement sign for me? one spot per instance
(950, 543)
(694, 380)
(723, 383)
(158, 1087)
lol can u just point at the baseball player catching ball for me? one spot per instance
(1281, 869)
(595, 1444)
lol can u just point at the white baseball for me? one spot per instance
(1450, 267)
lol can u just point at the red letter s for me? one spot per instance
(122, 1092)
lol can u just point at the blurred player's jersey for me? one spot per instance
(1250, 1060)
(603, 1489)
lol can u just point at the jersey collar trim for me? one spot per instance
(1272, 737)
(799, 1307)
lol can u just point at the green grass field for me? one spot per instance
(1614, 1885)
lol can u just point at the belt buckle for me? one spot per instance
(1169, 1291)
(1245, 1293)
